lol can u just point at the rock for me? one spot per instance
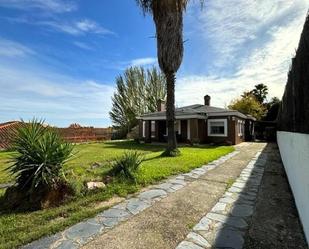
(95, 185)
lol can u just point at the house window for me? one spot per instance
(153, 128)
(144, 129)
(217, 127)
(240, 128)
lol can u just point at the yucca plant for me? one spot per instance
(39, 158)
(127, 165)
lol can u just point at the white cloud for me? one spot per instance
(59, 99)
(234, 27)
(80, 27)
(10, 48)
(56, 6)
(273, 41)
(143, 61)
(82, 45)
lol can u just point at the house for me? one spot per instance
(198, 124)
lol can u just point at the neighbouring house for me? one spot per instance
(6, 132)
(198, 124)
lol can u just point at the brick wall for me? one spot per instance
(75, 135)
(84, 134)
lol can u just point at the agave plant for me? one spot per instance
(127, 165)
(39, 158)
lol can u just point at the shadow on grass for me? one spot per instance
(132, 145)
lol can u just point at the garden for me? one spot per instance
(42, 166)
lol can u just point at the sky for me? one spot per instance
(59, 58)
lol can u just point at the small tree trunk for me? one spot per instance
(171, 149)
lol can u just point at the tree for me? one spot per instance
(260, 92)
(273, 107)
(248, 104)
(168, 18)
(137, 92)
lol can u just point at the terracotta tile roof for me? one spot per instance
(6, 130)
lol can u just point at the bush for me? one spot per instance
(127, 165)
(37, 165)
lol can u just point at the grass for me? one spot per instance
(20, 228)
(4, 163)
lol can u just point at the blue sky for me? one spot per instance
(59, 59)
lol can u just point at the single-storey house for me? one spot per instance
(198, 124)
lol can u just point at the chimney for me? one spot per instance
(160, 105)
(207, 100)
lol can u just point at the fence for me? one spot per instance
(74, 135)
(293, 124)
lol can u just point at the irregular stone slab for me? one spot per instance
(66, 244)
(240, 185)
(109, 222)
(235, 190)
(227, 199)
(152, 194)
(121, 206)
(227, 238)
(136, 205)
(82, 231)
(217, 217)
(181, 182)
(242, 210)
(219, 207)
(165, 186)
(43, 243)
(188, 245)
(177, 186)
(197, 239)
(236, 222)
(115, 213)
(203, 225)
(181, 177)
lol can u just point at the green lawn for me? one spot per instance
(19, 228)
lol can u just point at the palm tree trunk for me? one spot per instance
(171, 149)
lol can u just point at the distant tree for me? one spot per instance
(273, 107)
(248, 104)
(260, 92)
(137, 92)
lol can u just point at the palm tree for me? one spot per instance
(168, 18)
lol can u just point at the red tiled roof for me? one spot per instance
(6, 130)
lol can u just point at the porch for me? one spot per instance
(187, 130)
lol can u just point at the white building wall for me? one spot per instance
(294, 150)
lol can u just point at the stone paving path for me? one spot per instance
(85, 231)
(225, 225)
(168, 221)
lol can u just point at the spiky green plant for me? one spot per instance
(127, 165)
(39, 158)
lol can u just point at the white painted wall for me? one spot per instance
(294, 150)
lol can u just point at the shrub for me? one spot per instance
(37, 165)
(127, 165)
